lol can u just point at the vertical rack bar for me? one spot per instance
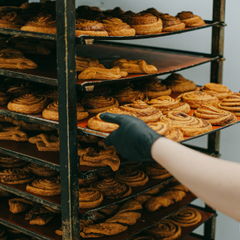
(67, 118)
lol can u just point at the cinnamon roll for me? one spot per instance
(11, 162)
(89, 198)
(155, 170)
(190, 19)
(45, 186)
(159, 127)
(231, 104)
(197, 98)
(40, 171)
(175, 135)
(214, 115)
(171, 23)
(113, 189)
(87, 181)
(142, 111)
(11, 19)
(83, 63)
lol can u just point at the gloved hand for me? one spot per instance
(133, 139)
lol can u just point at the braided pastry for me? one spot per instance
(45, 186)
(40, 171)
(231, 104)
(11, 162)
(89, 198)
(83, 63)
(171, 23)
(155, 171)
(190, 19)
(214, 115)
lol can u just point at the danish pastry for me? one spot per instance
(40, 171)
(89, 198)
(231, 104)
(155, 171)
(190, 19)
(83, 63)
(87, 181)
(171, 23)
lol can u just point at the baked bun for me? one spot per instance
(190, 19)
(231, 104)
(83, 63)
(171, 23)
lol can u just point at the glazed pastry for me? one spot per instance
(102, 158)
(40, 171)
(11, 162)
(45, 186)
(128, 95)
(197, 98)
(155, 171)
(87, 181)
(15, 135)
(171, 23)
(14, 59)
(18, 205)
(28, 103)
(51, 112)
(113, 189)
(3, 233)
(132, 177)
(15, 176)
(145, 23)
(190, 19)
(166, 229)
(102, 73)
(100, 103)
(215, 116)
(216, 89)
(142, 111)
(89, 198)
(178, 83)
(11, 19)
(187, 217)
(134, 66)
(166, 103)
(116, 27)
(231, 104)
(83, 63)
(189, 125)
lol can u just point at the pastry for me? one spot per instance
(89, 198)
(89, 27)
(18, 205)
(134, 66)
(3, 233)
(28, 103)
(155, 171)
(177, 83)
(187, 217)
(91, 178)
(171, 23)
(30, 126)
(190, 19)
(132, 177)
(154, 203)
(11, 19)
(4, 98)
(175, 135)
(142, 111)
(45, 186)
(83, 63)
(217, 89)
(102, 73)
(116, 27)
(88, 139)
(166, 103)
(15, 176)
(189, 125)
(159, 127)
(51, 112)
(100, 103)
(40, 171)
(105, 173)
(231, 104)
(51, 94)
(215, 116)
(96, 91)
(113, 189)
(14, 59)
(145, 23)
(15, 135)
(116, 12)
(11, 162)
(197, 98)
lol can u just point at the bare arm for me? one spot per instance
(215, 181)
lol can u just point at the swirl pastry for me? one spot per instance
(15, 176)
(40, 171)
(11, 19)
(189, 125)
(14, 59)
(45, 186)
(113, 189)
(83, 63)
(178, 83)
(166, 103)
(145, 23)
(116, 27)
(15, 135)
(171, 23)
(90, 27)
(175, 135)
(217, 89)
(3, 233)
(11, 162)
(231, 104)
(28, 103)
(132, 177)
(187, 217)
(166, 229)
(143, 111)
(18, 205)
(51, 94)
(96, 123)
(197, 98)
(190, 19)
(102, 158)
(214, 115)
(155, 171)
(51, 112)
(98, 104)
(89, 198)
(87, 181)
(134, 66)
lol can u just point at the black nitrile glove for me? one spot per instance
(133, 139)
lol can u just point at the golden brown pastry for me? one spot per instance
(215, 116)
(171, 23)
(12, 18)
(83, 63)
(155, 170)
(18, 205)
(11, 162)
(15, 135)
(145, 23)
(134, 66)
(40, 171)
(178, 83)
(190, 19)
(175, 135)
(45, 186)
(231, 104)
(91, 178)
(143, 111)
(217, 89)
(89, 198)
(154, 203)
